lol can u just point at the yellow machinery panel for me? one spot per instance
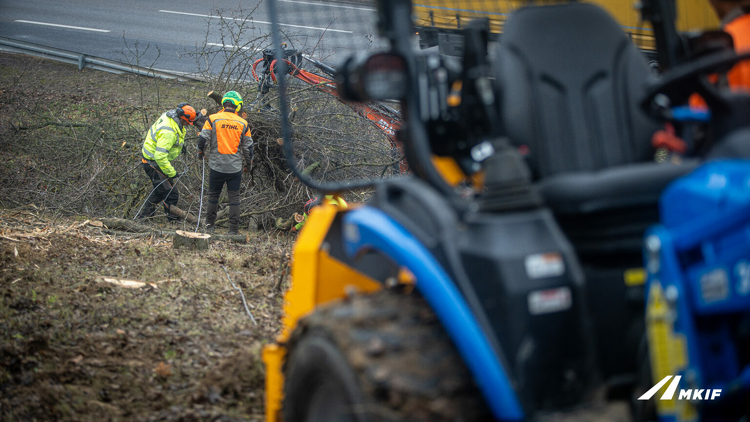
(692, 15)
(667, 349)
(311, 265)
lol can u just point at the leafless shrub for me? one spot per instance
(79, 152)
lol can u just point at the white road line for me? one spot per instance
(343, 31)
(63, 26)
(226, 45)
(189, 14)
(260, 22)
(330, 5)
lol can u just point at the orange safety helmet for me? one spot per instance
(186, 112)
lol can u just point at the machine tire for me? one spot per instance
(386, 357)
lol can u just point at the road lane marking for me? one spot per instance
(190, 14)
(213, 44)
(330, 5)
(259, 22)
(63, 26)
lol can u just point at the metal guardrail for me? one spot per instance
(84, 61)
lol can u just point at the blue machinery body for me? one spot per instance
(698, 291)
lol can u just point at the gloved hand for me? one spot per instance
(201, 155)
(200, 120)
(245, 170)
(184, 148)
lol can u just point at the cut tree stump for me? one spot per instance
(290, 222)
(194, 241)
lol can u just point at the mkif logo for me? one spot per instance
(688, 394)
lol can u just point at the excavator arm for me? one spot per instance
(379, 114)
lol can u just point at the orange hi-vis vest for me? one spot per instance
(739, 28)
(738, 77)
(229, 139)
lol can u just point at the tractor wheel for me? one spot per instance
(378, 357)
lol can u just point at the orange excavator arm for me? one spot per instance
(380, 115)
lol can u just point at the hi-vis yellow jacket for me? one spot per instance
(164, 143)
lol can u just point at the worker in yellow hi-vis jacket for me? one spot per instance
(163, 143)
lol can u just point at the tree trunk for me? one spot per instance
(125, 225)
(190, 218)
(215, 96)
(193, 241)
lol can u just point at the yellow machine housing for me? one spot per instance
(311, 264)
(452, 15)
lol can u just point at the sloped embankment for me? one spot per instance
(77, 346)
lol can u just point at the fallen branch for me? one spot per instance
(130, 284)
(43, 125)
(125, 225)
(310, 168)
(283, 267)
(125, 234)
(190, 218)
(215, 96)
(133, 229)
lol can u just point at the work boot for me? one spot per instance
(147, 212)
(211, 210)
(234, 212)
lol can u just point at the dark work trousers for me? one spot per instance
(159, 194)
(216, 182)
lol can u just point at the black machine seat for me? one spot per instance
(623, 186)
(570, 80)
(606, 212)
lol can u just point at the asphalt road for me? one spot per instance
(165, 35)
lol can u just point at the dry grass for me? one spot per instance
(75, 348)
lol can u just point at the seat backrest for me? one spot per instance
(570, 82)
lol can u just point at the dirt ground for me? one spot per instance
(76, 347)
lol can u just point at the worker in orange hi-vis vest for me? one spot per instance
(735, 20)
(227, 139)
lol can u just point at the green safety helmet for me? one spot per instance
(234, 98)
